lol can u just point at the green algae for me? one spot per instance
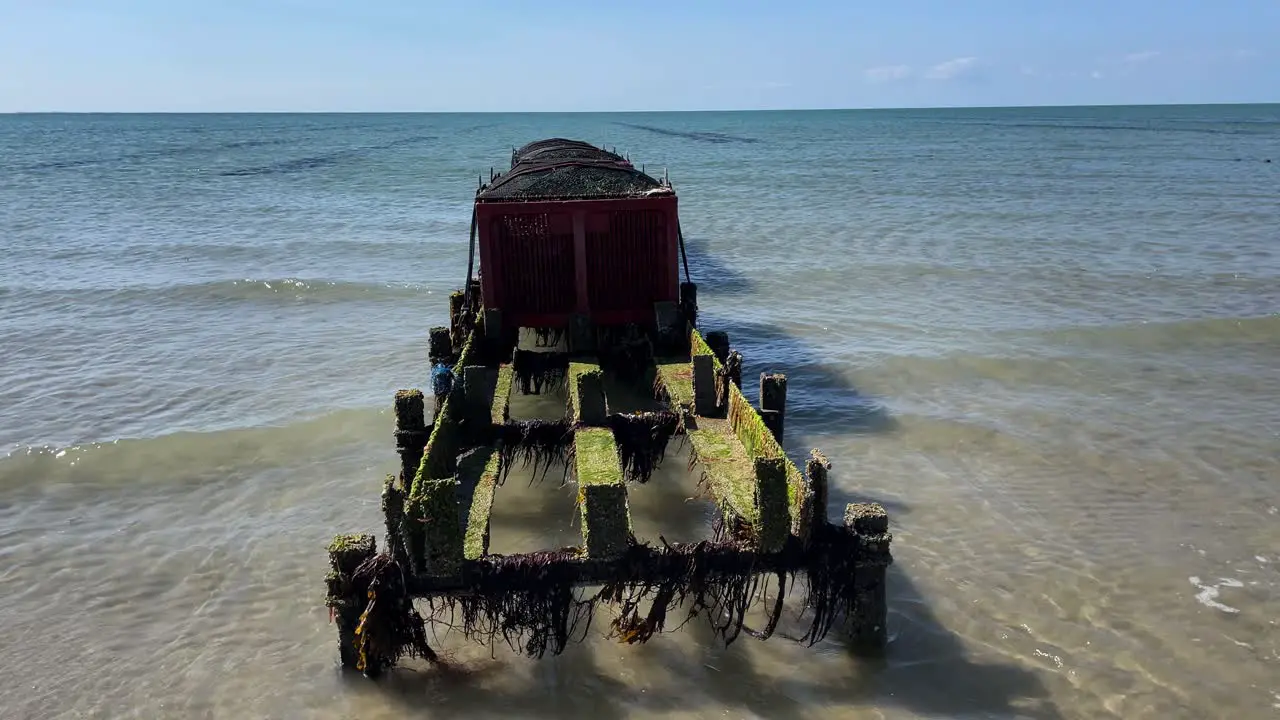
(487, 463)
(602, 494)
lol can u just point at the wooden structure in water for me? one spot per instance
(578, 281)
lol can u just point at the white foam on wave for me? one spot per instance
(1208, 595)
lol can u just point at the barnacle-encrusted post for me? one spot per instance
(870, 525)
(602, 494)
(411, 432)
(773, 402)
(440, 345)
(346, 603)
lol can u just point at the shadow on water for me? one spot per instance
(819, 395)
(710, 274)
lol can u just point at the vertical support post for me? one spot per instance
(704, 386)
(771, 500)
(493, 324)
(477, 405)
(868, 626)
(810, 513)
(347, 601)
(733, 367)
(587, 396)
(440, 345)
(393, 510)
(411, 432)
(689, 302)
(773, 402)
(456, 310)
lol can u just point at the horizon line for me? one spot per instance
(622, 112)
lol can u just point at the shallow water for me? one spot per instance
(1047, 340)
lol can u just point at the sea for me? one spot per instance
(1047, 340)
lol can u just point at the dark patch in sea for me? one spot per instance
(709, 137)
(155, 153)
(312, 162)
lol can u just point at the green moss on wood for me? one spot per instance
(729, 469)
(440, 456)
(774, 506)
(502, 395)
(432, 512)
(760, 442)
(675, 376)
(699, 346)
(346, 552)
(476, 542)
(596, 457)
(410, 409)
(602, 494)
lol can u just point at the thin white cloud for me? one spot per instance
(888, 73)
(1141, 57)
(951, 69)
(1096, 75)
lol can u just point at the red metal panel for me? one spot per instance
(534, 264)
(534, 256)
(626, 265)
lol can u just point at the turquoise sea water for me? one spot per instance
(1048, 340)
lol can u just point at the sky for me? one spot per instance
(604, 55)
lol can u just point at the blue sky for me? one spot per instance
(569, 55)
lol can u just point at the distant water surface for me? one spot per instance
(1048, 340)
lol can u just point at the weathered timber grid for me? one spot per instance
(435, 566)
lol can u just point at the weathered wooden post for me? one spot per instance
(439, 345)
(411, 432)
(475, 396)
(457, 309)
(773, 402)
(589, 406)
(705, 396)
(345, 600)
(870, 524)
(733, 367)
(440, 354)
(811, 499)
(689, 302)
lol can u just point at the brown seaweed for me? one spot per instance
(539, 371)
(390, 627)
(536, 442)
(642, 441)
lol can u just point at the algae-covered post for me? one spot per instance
(773, 402)
(870, 525)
